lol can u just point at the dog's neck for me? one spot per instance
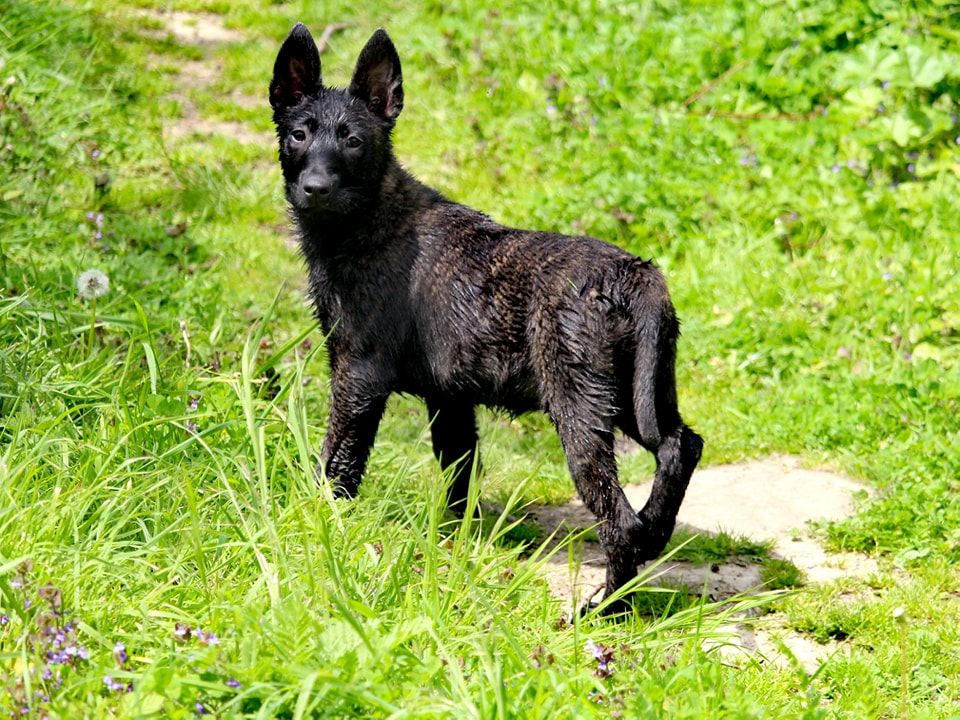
(377, 222)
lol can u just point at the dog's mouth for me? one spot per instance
(338, 201)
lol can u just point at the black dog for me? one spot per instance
(421, 295)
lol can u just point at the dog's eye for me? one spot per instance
(353, 142)
(298, 135)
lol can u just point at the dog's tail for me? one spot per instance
(654, 385)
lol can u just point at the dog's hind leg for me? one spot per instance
(677, 456)
(453, 429)
(588, 443)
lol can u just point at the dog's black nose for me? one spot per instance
(317, 185)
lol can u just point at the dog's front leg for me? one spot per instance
(453, 428)
(355, 412)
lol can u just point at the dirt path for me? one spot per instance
(204, 31)
(771, 499)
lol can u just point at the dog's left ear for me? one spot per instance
(296, 73)
(377, 79)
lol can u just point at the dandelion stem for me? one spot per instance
(93, 326)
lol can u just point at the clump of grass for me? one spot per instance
(779, 573)
(699, 547)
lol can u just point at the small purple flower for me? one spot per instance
(95, 153)
(116, 685)
(851, 163)
(200, 709)
(99, 219)
(47, 673)
(98, 235)
(912, 168)
(885, 84)
(27, 603)
(58, 658)
(836, 168)
(887, 276)
(91, 216)
(120, 654)
(551, 109)
(958, 140)
(16, 583)
(233, 683)
(4, 619)
(182, 631)
(881, 109)
(194, 403)
(603, 654)
(207, 638)
(192, 429)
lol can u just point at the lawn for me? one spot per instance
(165, 550)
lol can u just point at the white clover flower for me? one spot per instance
(92, 284)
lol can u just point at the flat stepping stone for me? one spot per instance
(772, 499)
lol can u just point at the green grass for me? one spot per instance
(794, 167)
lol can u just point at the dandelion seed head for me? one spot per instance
(92, 284)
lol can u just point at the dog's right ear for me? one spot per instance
(296, 73)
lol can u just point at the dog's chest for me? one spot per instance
(362, 309)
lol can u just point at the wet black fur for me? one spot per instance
(421, 295)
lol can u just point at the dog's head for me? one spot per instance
(334, 144)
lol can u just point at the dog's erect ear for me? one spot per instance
(296, 73)
(377, 80)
